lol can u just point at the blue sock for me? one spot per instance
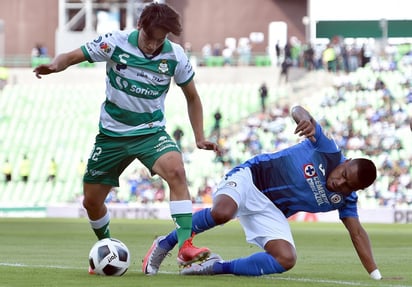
(202, 220)
(257, 264)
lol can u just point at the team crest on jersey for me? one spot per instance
(163, 67)
(336, 198)
(105, 47)
(309, 170)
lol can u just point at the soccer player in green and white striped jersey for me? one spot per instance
(140, 65)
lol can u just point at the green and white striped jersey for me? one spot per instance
(136, 86)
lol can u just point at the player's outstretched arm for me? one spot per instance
(360, 240)
(60, 63)
(195, 111)
(306, 124)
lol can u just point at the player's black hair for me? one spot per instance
(159, 15)
(366, 171)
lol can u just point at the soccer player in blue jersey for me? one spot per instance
(311, 176)
(140, 65)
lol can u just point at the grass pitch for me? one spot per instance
(54, 252)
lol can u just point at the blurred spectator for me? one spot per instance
(52, 170)
(244, 51)
(204, 194)
(263, 93)
(25, 167)
(227, 54)
(7, 171)
(329, 58)
(217, 50)
(365, 55)
(113, 196)
(278, 53)
(284, 71)
(353, 58)
(81, 168)
(188, 49)
(216, 126)
(206, 52)
(409, 96)
(309, 58)
(177, 135)
(159, 189)
(141, 189)
(4, 76)
(133, 182)
(39, 51)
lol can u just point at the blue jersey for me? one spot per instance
(294, 179)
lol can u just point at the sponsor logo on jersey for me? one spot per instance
(120, 67)
(322, 169)
(98, 39)
(163, 67)
(315, 184)
(105, 47)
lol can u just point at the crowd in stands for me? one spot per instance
(367, 110)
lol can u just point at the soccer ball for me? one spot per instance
(109, 257)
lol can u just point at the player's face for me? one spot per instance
(344, 178)
(150, 42)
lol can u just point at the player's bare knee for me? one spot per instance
(287, 260)
(176, 174)
(283, 252)
(221, 215)
(89, 204)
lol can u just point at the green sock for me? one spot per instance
(102, 232)
(183, 227)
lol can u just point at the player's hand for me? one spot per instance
(208, 145)
(307, 129)
(45, 70)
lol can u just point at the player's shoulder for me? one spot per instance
(118, 35)
(177, 48)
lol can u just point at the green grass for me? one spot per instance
(54, 252)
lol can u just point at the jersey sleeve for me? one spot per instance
(324, 142)
(184, 72)
(350, 209)
(101, 48)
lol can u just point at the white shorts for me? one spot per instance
(260, 218)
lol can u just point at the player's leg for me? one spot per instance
(170, 167)
(93, 202)
(264, 225)
(279, 257)
(161, 155)
(283, 252)
(107, 161)
(162, 245)
(224, 209)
